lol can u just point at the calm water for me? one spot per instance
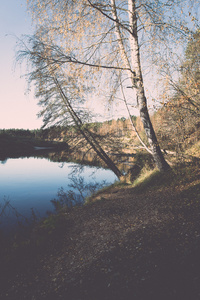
(33, 182)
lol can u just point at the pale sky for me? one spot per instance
(17, 110)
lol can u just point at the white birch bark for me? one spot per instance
(135, 74)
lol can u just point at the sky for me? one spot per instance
(17, 109)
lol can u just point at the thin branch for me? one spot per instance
(109, 17)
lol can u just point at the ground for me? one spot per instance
(128, 243)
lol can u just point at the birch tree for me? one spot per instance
(59, 95)
(96, 41)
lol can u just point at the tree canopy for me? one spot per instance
(106, 45)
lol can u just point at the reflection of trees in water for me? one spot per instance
(8, 212)
(78, 189)
(123, 161)
(3, 207)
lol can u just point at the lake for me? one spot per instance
(31, 183)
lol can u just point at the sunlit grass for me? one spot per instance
(194, 150)
(145, 177)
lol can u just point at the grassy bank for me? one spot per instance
(131, 241)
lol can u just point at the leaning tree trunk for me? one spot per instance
(89, 137)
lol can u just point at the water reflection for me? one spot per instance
(77, 192)
(12, 219)
(31, 183)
